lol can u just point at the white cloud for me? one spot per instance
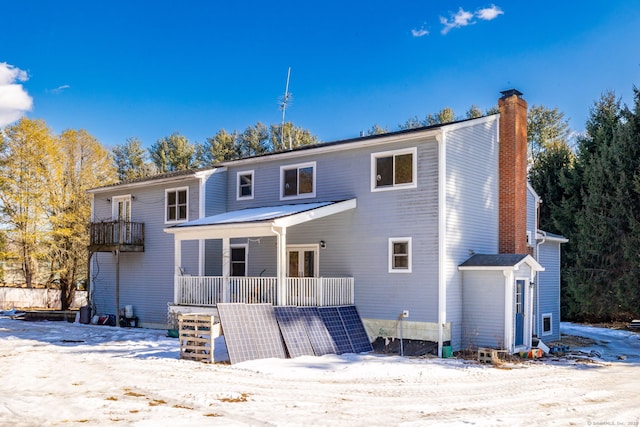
(419, 33)
(59, 89)
(14, 99)
(460, 19)
(463, 18)
(489, 13)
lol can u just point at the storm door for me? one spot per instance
(519, 311)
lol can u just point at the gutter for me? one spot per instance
(442, 236)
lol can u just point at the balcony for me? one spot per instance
(123, 236)
(298, 291)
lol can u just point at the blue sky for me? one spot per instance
(121, 69)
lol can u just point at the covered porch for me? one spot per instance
(291, 285)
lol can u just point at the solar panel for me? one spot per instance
(336, 329)
(294, 331)
(355, 329)
(236, 331)
(266, 333)
(256, 331)
(317, 331)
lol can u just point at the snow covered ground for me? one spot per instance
(63, 374)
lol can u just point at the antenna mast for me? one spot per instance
(283, 106)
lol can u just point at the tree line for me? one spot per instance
(589, 185)
(591, 195)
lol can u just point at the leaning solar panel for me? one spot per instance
(336, 329)
(266, 333)
(237, 333)
(355, 329)
(294, 331)
(317, 331)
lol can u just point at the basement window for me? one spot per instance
(400, 255)
(547, 328)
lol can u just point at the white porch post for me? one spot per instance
(226, 267)
(177, 261)
(282, 265)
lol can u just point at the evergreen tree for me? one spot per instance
(131, 160)
(602, 282)
(174, 153)
(254, 141)
(223, 146)
(293, 137)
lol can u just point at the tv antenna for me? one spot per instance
(286, 98)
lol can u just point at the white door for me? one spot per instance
(302, 261)
(121, 213)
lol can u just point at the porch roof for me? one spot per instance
(500, 262)
(259, 221)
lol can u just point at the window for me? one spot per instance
(239, 260)
(298, 181)
(245, 185)
(400, 255)
(177, 204)
(393, 170)
(547, 328)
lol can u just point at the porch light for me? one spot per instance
(323, 244)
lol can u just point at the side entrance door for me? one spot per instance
(519, 311)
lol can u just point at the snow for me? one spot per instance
(59, 373)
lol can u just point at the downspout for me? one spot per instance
(442, 236)
(537, 281)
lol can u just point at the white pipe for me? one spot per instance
(442, 245)
(537, 281)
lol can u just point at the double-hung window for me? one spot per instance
(400, 255)
(239, 260)
(298, 181)
(391, 170)
(176, 204)
(245, 185)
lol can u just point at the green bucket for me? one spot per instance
(447, 352)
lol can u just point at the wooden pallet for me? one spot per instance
(197, 334)
(490, 355)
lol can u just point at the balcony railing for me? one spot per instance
(117, 234)
(300, 291)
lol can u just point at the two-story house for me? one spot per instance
(436, 222)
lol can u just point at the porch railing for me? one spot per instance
(116, 233)
(300, 291)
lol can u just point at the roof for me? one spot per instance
(167, 176)
(194, 172)
(266, 213)
(261, 221)
(499, 262)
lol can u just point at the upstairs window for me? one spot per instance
(391, 170)
(176, 204)
(400, 255)
(298, 181)
(245, 185)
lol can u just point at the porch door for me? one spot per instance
(121, 213)
(519, 311)
(302, 261)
